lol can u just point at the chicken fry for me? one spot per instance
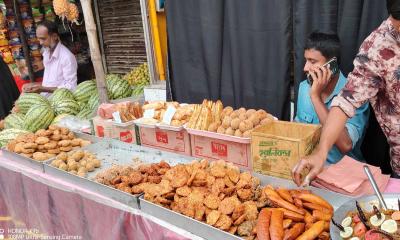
(298, 203)
(319, 215)
(276, 226)
(313, 206)
(294, 232)
(313, 232)
(308, 218)
(287, 222)
(285, 204)
(263, 223)
(292, 215)
(285, 194)
(309, 197)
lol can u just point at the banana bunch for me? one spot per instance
(139, 77)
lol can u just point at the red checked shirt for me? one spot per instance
(376, 78)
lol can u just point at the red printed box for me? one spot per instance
(214, 146)
(102, 127)
(166, 140)
(125, 133)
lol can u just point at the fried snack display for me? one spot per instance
(213, 117)
(181, 116)
(46, 144)
(293, 214)
(133, 179)
(77, 162)
(216, 193)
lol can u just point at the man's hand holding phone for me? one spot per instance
(321, 76)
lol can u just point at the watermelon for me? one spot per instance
(10, 134)
(66, 106)
(86, 113)
(94, 102)
(38, 117)
(27, 100)
(82, 105)
(84, 90)
(61, 94)
(14, 120)
(118, 88)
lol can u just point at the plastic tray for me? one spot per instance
(113, 152)
(218, 136)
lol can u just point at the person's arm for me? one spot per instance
(330, 132)
(363, 84)
(46, 89)
(343, 142)
(322, 76)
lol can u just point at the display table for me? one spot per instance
(33, 201)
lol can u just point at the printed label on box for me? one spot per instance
(162, 137)
(220, 149)
(100, 131)
(236, 153)
(167, 140)
(126, 136)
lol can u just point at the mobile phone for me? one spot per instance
(333, 66)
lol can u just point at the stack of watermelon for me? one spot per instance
(117, 87)
(33, 112)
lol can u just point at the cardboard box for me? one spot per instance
(166, 140)
(217, 149)
(216, 146)
(125, 133)
(102, 127)
(278, 146)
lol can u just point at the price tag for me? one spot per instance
(149, 113)
(168, 115)
(117, 117)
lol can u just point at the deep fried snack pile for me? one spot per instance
(133, 179)
(218, 194)
(78, 162)
(46, 144)
(181, 116)
(213, 117)
(294, 214)
(215, 193)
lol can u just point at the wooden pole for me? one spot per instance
(21, 31)
(95, 54)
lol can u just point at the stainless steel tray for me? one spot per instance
(206, 231)
(335, 199)
(198, 228)
(36, 165)
(366, 203)
(87, 137)
(113, 152)
(25, 161)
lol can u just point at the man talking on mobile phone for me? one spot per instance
(375, 79)
(324, 82)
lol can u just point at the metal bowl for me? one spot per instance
(366, 204)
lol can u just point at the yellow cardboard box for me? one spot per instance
(277, 146)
